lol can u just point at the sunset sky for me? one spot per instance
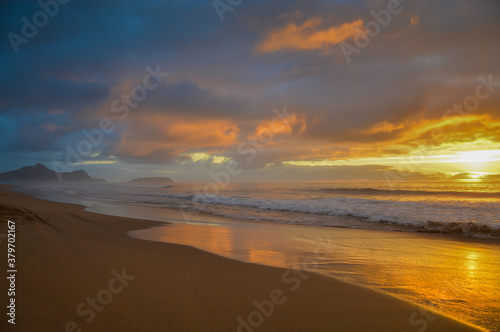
(283, 90)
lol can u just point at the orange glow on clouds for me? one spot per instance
(176, 132)
(450, 144)
(308, 36)
(279, 127)
(446, 145)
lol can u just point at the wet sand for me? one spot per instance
(455, 275)
(79, 270)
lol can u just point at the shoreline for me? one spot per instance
(358, 223)
(66, 254)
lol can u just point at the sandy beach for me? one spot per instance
(250, 166)
(67, 257)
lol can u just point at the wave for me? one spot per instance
(473, 219)
(467, 229)
(396, 192)
(372, 211)
(189, 197)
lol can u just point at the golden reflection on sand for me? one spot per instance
(459, 277)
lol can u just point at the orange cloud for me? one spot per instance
(383, 127)
(431, 136)
(458, 129)
(175, 133)
(414, 20)
(308, 36)
(384, 139)
(277, 127)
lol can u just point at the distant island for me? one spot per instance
(154, 181)
(41, 173)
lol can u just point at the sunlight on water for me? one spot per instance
(457, 278)
(456, 272)
(453, 208)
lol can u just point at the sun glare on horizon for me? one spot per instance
(479, 156)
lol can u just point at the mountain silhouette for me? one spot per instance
(40, 172)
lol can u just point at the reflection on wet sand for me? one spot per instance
(459, 277)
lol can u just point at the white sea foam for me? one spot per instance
(445, 209)
(447, 217)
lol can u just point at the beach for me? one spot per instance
(66, 256)
(250, 166)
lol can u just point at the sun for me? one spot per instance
(476, 175)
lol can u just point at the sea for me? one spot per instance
(433, 244)
(466, 209)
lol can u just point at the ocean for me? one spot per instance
(466, 209)
(434, 244)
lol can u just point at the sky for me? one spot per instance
(204, 91)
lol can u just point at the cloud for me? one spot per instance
(309, 35)
(162, 138)
(226, 78)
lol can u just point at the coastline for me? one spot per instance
(66, 255)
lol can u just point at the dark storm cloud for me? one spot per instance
(188, 98)
(406, 71)
(65, 78)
